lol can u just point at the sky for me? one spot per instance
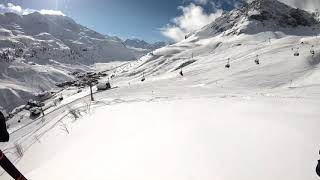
(151, 20)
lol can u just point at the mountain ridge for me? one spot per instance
(138, 43)
(140, 47)
(37, 51)
(260, 16)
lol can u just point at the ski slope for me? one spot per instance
(245, 122)
(198, 138)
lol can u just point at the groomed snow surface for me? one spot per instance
(196, 138)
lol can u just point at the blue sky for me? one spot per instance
(142, 19)
(151, 20)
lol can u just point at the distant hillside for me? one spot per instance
(141, 47)
(37, 51)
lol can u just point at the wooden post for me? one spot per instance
(42, 112)
(91, 93)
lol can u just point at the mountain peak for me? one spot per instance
(279, 12)
(259, 16)
(138, 43)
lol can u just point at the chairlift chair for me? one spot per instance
(228, 64)
(312, 50)
(296, 53)
(143, 78)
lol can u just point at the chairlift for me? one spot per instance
(228, 64)
(257, 61)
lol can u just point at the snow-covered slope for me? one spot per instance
(223, 138)
(259, 16)
(36, 51)
(249, 121)
(241, 38)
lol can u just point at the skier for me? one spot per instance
(318, 167)
(181, 72)
(257, 61)
(4, 161)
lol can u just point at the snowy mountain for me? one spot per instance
(238, 99)
(136, 43)
(37, 51)
(260, 16)
(141, 47)
(45, 37)
(279, 36)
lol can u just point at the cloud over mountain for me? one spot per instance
(193, 17)
(5, 8)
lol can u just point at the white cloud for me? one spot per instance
(192, 19)
(51, 12)
(18, 10)
(10, 8)
(174, 33)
